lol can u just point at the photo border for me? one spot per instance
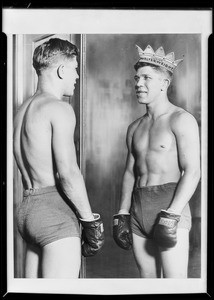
(7, 19)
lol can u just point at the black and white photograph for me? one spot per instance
(107, 151)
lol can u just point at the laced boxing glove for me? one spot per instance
(165, 230)
(122, 231)
(92, 235)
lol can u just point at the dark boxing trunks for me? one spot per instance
(147, 202)
(44, 217)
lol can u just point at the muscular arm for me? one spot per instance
(128, 177)
(72, 183)
(186, 132)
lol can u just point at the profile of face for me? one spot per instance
(149, 83)
(69, 75)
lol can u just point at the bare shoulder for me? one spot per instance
(61, 111)
(131, 129)
(59, 106)
(182, 120)
(133, 126)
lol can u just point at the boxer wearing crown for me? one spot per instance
(161, 174)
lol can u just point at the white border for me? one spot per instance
(25, 21)
(105, 21)
(10, 246)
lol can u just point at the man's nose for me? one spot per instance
(140, 82)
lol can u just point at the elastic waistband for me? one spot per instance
(39, 191)
(157, 187)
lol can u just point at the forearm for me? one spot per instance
(126, 194)
(74, 188)
(185, 189)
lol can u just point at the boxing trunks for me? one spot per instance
(44, 216)
(147, 202)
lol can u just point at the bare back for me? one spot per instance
(32, 142)
(154, 148)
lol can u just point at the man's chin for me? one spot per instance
(141, 100)
(68, 94)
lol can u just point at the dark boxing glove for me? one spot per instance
(92, 235)
(122, 231)
(165, 230)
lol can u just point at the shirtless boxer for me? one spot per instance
(55, 197)
(162, 172)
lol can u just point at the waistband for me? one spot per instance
(39, 191)
(164, 186)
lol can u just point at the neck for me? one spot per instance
(49, 86)
(159, 107)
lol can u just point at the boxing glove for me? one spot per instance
(92, 235)
(165, 230)
(122, 231)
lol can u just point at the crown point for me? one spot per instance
(170, 56)
(149, 50)
(176, 62)
(140, 51)
(160, 52)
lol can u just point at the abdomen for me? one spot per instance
(157, 168)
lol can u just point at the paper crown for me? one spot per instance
(158, 58)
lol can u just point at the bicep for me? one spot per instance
(64, 152)
(188, 143)
(130, 161)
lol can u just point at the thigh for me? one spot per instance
(175, 260)
(32, 261)
(146, 257)
(62, 258)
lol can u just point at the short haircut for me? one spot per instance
(52, 51)
(159, 69)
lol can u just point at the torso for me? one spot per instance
(32, 143)
(155, 150)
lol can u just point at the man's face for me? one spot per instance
(71, 75)
(148, 84)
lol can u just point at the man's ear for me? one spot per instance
(166, 83)
(60, 71)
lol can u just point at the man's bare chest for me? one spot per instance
(153, 137)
